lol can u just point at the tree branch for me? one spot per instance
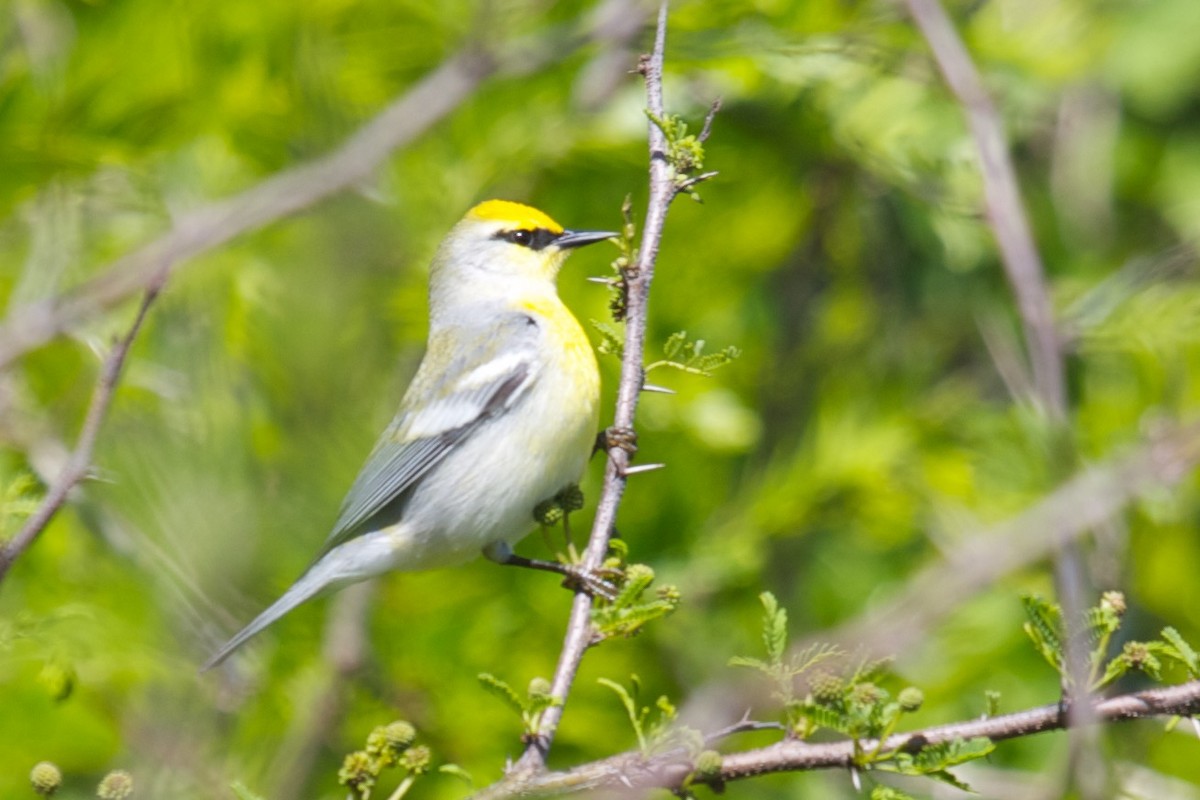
(1005, 210)
(634, 771)
(79, 461)
(301, 187)
(579, 628)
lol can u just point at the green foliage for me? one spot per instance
(689, 356)
(854, 705)
(242, 793)
(1100, 623)
(20, 498)
(783, 670)
(844, 248)
(935, 760)
(653, 726)
(387, 746)
(685, 153)
(631, 609)
(530, 708)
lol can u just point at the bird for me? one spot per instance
(500, 416)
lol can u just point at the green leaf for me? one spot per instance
(881, 792)
(674, 344)
(752, 663)
(631, 710)
(611, 341)
(1044, 629)
(774, 627)
(1181, 651)
(244, 793)
(500, 689)
(458, 772)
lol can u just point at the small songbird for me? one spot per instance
(501, 415)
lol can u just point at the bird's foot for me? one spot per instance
(618, 437)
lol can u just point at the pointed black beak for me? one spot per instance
(580, 238)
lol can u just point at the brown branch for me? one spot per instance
(579, 634)
(904, 617)
(634, 771)
(301, 187)
(79, 462)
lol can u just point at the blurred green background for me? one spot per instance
(843, 249)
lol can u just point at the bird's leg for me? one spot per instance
(575, 576)
(615, 436)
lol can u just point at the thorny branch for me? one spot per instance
(663, 189)
(634, 771)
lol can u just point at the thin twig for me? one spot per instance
(1005, 210)
(79, 461)
(633, 770)
(291, 191)
(579, 629)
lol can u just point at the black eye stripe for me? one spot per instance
(533, 238)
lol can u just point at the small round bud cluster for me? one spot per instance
(417, 760)
(639, 573)
(400, 735)
(387, 743)
(910, 699)
(1114, 601)
(670, 594)
(539, 688)
(548, 512)
(58, 680)
(826, 687)
(117, 785)
(865, 694)
(1137, 654)
(708, 766)
(358, 773)
(46, 778)
(571, 498)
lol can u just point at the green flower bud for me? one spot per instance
(417, 760)
(707, 767)
(910, 699)
(865, 694)
(547, 512)
(358, 772)
(400, 735)
(117, 785)
(46, 778)
(539, 687)
(1114, 601)
(571, 498)
(826, 687)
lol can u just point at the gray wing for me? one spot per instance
(470, 374)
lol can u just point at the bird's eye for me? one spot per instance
(521, 236)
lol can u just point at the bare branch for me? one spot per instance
(633, 770)
(293, 190)
(79, 462)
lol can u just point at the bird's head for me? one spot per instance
(510, 241)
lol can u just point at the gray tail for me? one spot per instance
(307, 587)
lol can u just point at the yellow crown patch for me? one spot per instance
(518, 214)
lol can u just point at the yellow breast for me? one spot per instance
(573, 355)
